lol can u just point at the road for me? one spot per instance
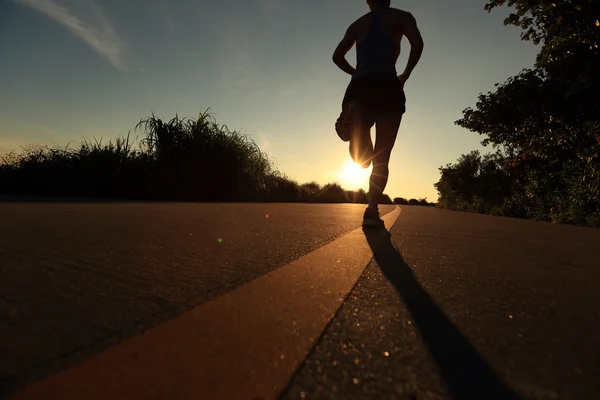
(451, 305)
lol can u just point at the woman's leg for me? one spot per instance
(387, 127)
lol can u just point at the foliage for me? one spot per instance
(386, 199)
(544, 124)
(565, 28)
(423, 202)
(359, 196)
(524, 188)
(413, 202)
(180, 159)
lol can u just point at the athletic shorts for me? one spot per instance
(378, 94)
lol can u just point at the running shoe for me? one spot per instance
(371, 219)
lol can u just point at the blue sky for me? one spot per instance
(77, 69)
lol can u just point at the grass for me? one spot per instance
(181, 159)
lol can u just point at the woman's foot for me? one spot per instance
(371, 219)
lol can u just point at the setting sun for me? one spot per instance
(353, 177)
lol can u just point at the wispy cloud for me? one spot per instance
(89, 23)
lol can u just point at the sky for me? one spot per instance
(72, 70)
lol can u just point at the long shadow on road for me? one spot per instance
(466, 373)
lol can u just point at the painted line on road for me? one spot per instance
(246, 344)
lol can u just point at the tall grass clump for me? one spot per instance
(201, 160)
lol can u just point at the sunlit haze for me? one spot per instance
(353, 177)
(76, 69)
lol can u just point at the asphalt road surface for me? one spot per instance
(466, 306)
(453, 305)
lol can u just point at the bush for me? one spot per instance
(180, 159)
(331, 193)
(359, 196)
(386, 200)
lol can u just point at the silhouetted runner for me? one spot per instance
(375, 95)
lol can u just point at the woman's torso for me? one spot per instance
(379, 34)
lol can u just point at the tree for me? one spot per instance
(478, 183)
(566, 29)
(308, 191)
(359, 196)
(386, 199)
(553, 108)
(331, 193)
(545, 121)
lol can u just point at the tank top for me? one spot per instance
(377, 52)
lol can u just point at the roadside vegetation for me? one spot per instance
(413, 202)
(543, 124)
(178, 160)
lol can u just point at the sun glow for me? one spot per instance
(353, 177)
